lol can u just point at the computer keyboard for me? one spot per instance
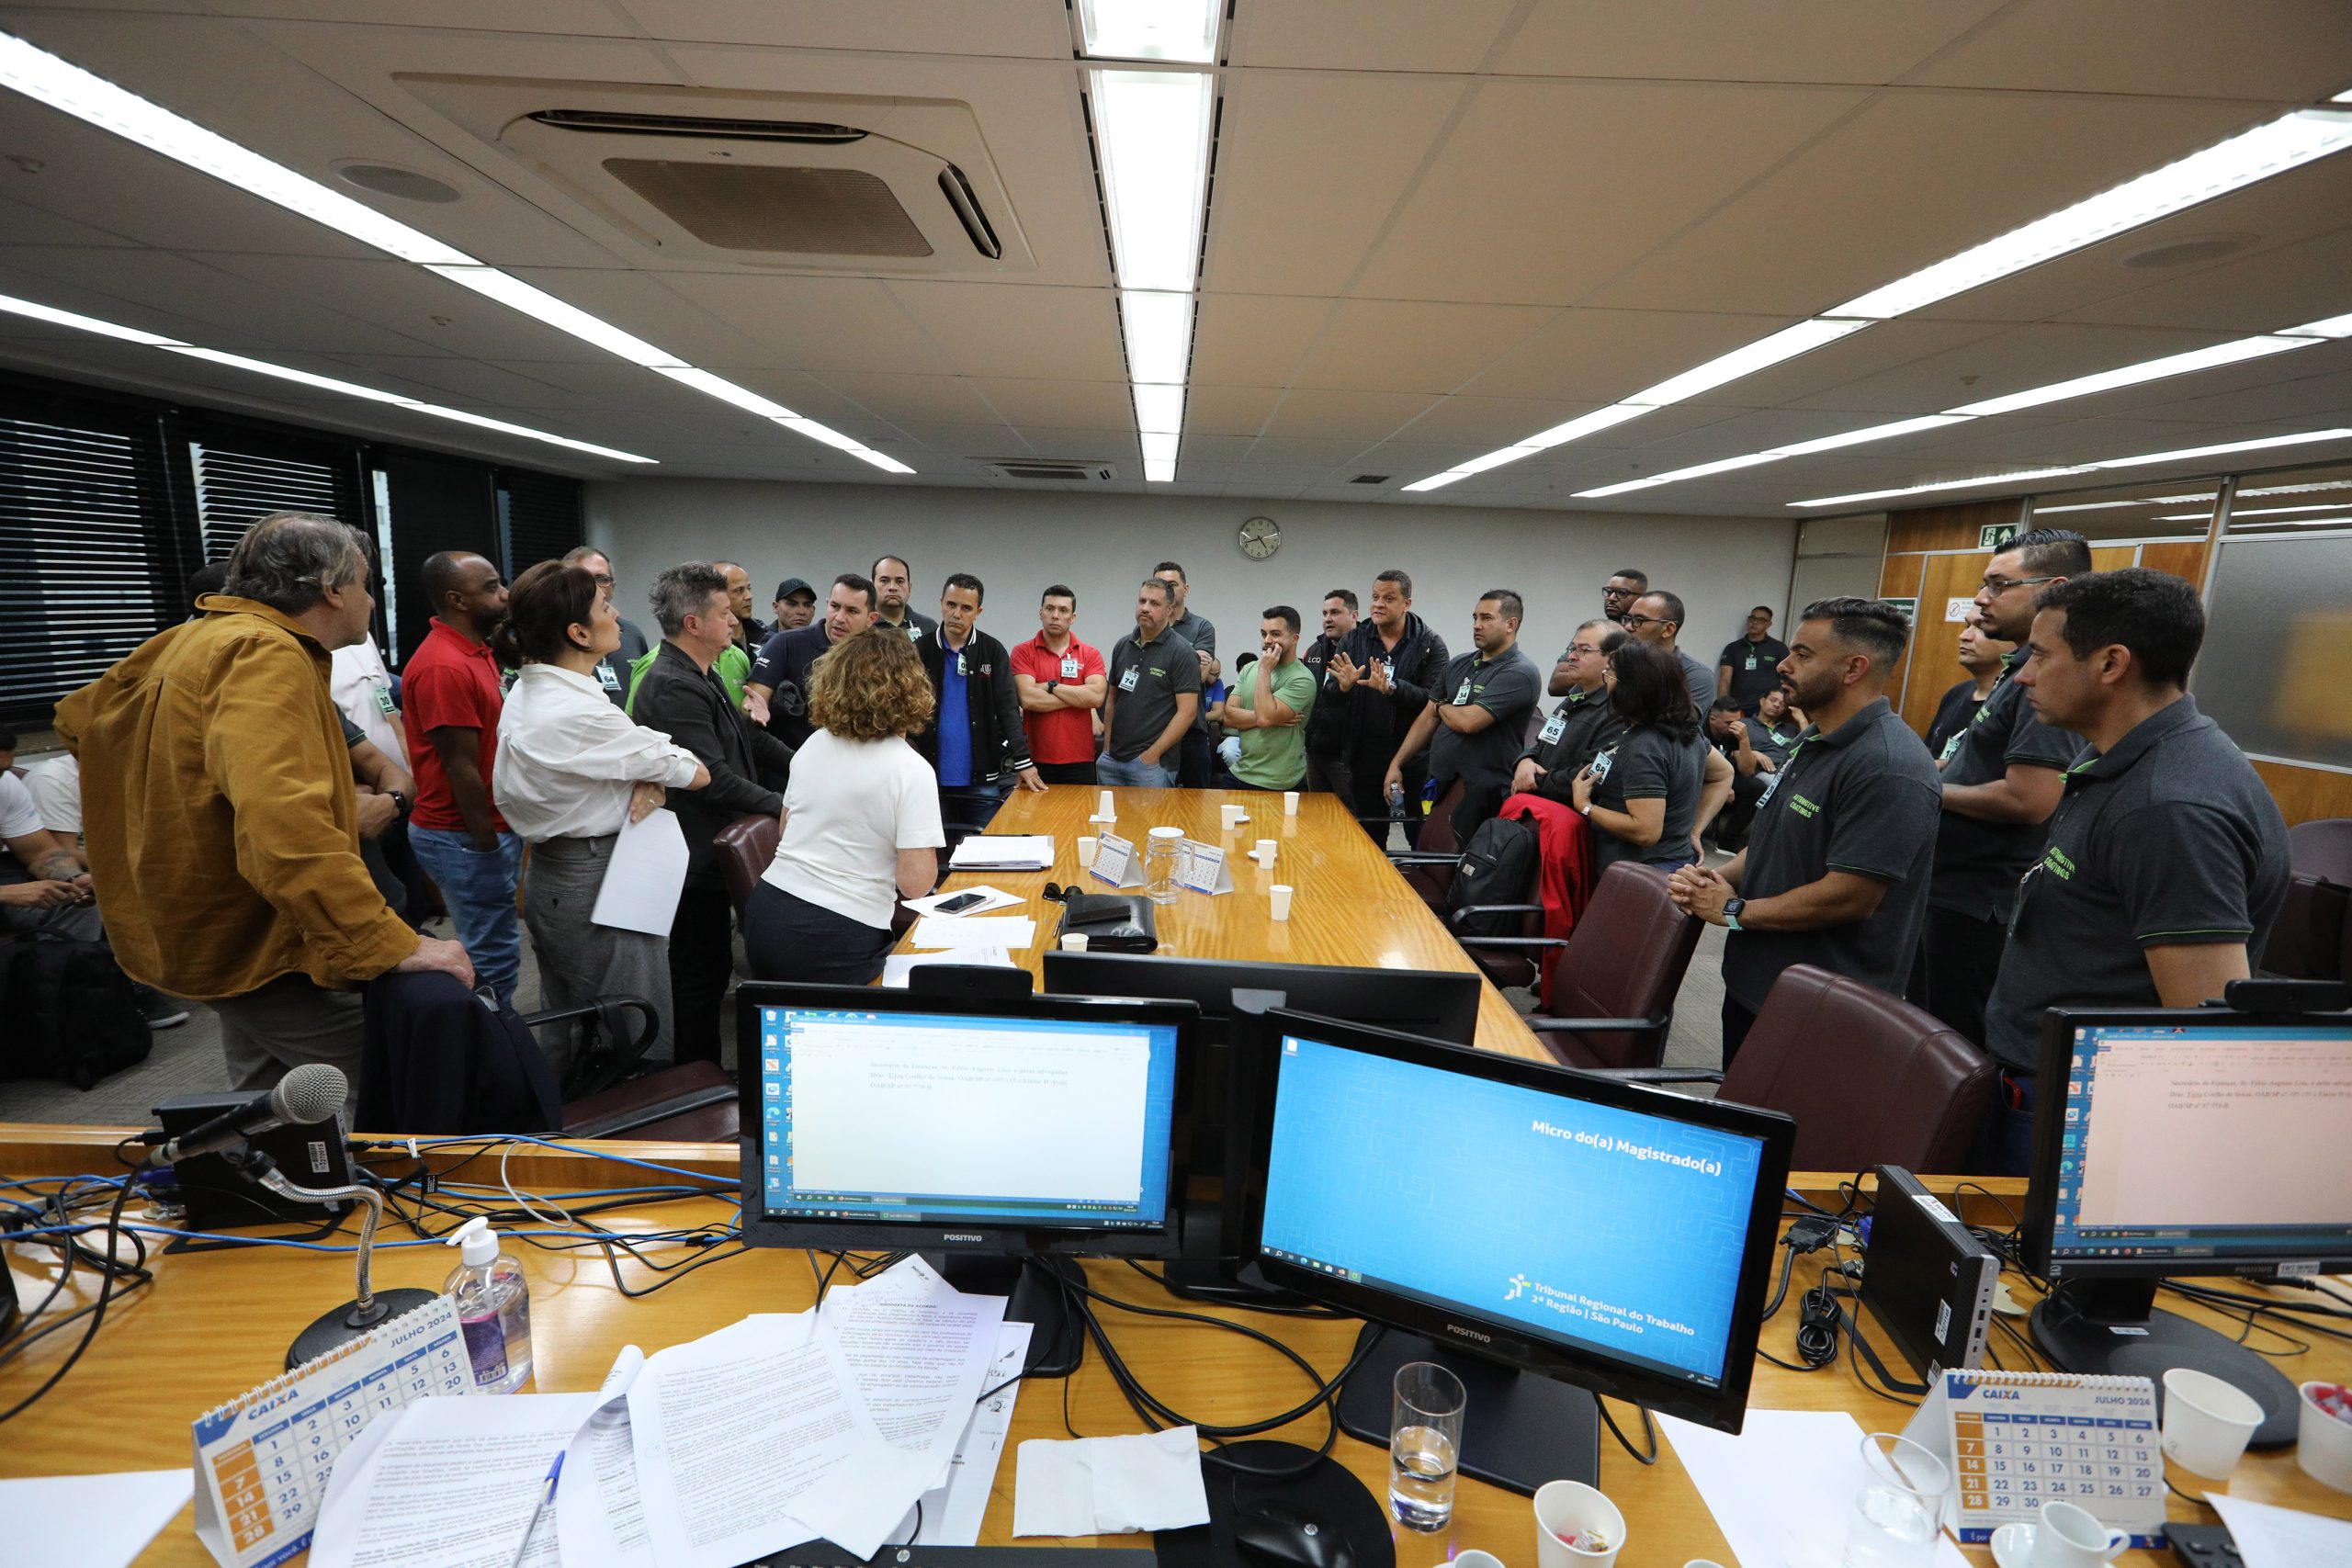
(825, 1555)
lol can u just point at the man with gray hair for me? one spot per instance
(219, 810)
(681, 696)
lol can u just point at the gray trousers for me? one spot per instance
(579, 959)
(290, 1022)
(78, 921)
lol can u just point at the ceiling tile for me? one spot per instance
(2005, 362)
(1036, 29)
(2284, 287)
(217, 306)
(1078, 405)
(1368, 35)
(2286, 51)
(1039, 332)
(1313, 411)
(815, 324)
(1565, 184)
(1599, 356)
(1392, 345)
(1484, 424)
(1823, 40)
(1226, 411)
(1253, 340)
(926, 400)
(560, 16)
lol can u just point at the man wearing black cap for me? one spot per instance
(795, 604)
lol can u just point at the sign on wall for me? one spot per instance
(1993, 535)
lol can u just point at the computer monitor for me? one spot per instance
(2184, 1141)
(1537, 1219)
(1433, 1003)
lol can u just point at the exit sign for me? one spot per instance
(1993, 535)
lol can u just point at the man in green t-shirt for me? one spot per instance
(1267, 708)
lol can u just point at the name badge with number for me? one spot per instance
(384, 700)
(1770, 784)
(1602, 763)
(1128, 678)
(1462, 692)
(605, 678)
(1751, 662)
(1553, 727)
(1070, 666)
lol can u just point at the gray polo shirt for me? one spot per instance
(1648, 764)
(1700, 680)
(1146, 679)
(1862, 798)
(1578, 730)
(1978, 864)
(1201, 635)
(1507, 687)
(2167, 840)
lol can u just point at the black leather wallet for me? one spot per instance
(1111, 922)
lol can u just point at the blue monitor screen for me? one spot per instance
(2204, 1142)
(932, 1118)
(1611, 1232)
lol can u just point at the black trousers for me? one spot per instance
(1331, 775)
(787, 938)
(702, 960)
(1737, 1021)
(1371, 801)
(1960, 955)
(1195, 764)
(1068, 772)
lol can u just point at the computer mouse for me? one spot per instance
(1289, 1538)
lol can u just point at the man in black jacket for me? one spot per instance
(681, 697)
(976, 741)
(1327, 725)
(1389, 670)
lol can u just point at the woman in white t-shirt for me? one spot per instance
(861, 819)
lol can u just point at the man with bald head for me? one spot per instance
(450, 701)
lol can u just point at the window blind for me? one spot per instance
(239, 484)
(539, 517)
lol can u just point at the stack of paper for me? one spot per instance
(765, 1434)
(1004, 851)
(898, 968)
(991, 898)
(1003, 931)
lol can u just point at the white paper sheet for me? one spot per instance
(1150, 1481)
(2270, 1537)
(899, 965)
(1783, 1491)
(645, 876)
(1007, 931)
(90, 1521)
(447, 1483)
(1004, 851)
(952, 1514)
(599, 1511)
(991, 898)
(754, 1439)
(920, 1350)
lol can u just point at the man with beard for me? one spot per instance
(1835, 873)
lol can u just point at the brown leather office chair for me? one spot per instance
(694, 1103)
(2312, 934)
(1870, 1078)
(746, 848)
(1427, 867)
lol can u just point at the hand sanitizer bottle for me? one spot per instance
(493, 1307)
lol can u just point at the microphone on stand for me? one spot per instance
(311, 1093)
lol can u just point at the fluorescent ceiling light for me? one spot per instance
(1495, 459)
(725, 391)
(68, 89)
(1439, 481)
(541, 306)
(2337, 521)
(1786, 344)
(39, 312)
(2238, 511)
(2132, 375)
(1582, 425)
(2285, 489)
(1149, 29)
(1159, 445)
(2335, 326)
(2242, 159)
(1869, 433)
(1941, 484)
(1153, 127)
(1159, 410)
(1159, 336)
(1698, 470)
(2146, 500)
(2184, 453)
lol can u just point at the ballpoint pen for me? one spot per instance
(546, 1495)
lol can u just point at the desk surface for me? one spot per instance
(1350, 906)
(215, 1323)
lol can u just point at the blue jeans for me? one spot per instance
(1138, 774)
(478, 887)
(2004, 1143)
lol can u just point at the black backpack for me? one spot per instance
(68, 1012)
(1499, 866)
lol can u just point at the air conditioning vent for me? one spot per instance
(716, 179)
(1052, 468)
(1371, 479)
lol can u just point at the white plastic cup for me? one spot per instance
(1570, 1507)
(1087, 844)
(2207, 1422)
(2324, 1443)
(1474, 1558)
(2071, 1537)
(1277, 900)
(1290, 808)
(1102, 807)
(1230, 816)
(1264, 853)
(1074, 943)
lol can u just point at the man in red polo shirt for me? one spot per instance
(1061, 682)
(451, 700)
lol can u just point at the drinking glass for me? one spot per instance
(1424, 1446)
(1898, 1505)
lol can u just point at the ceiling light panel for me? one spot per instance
(2181, 454)
(1696, 470)
(1175, 30)
(69, 89)
(2231, 353)
(1870, 433)
(1154, 130)
(39, 312)
(1941, 484)
(1764, 353)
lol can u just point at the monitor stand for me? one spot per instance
(1518, 1430)
(1035, 1291)
(2111, 1329)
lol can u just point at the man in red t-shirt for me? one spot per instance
(451, 700)
(1061, 682)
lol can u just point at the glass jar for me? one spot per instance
(1163, 864)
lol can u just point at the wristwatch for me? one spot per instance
(1049, 687)
(1732, 907)
(400, 801)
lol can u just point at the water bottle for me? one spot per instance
(1163, 854)
(1396, 804)
(493, 1308)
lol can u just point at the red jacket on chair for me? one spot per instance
(1564, 884)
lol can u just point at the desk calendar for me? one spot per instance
(262, 1462)
(2016, 1441)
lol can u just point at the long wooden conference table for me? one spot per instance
(213, 1325)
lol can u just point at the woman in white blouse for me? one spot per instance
(572, 769)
